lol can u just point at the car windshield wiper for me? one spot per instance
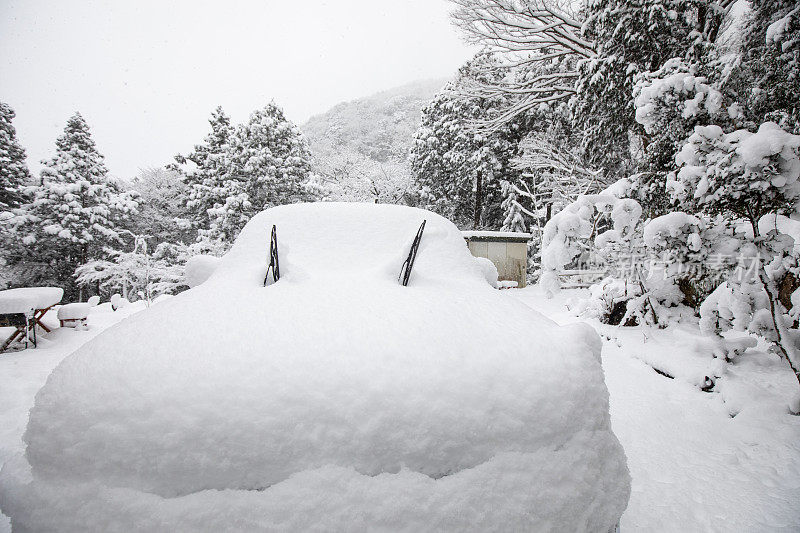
(273, 258)
(408, 264)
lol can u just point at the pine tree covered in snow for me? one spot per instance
(768, 80)
(267, 163)
(631, 39)
(669, 103)
(72, 216)
(204, 168)
(162, 210)
(14, 173)
(458, 171)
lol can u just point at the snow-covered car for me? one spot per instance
(335, 399)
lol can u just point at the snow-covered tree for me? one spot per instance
(72, 216)
(535, 46)
(552, 176)
(350, 176)
(14, 173)
(767, 80)
(162, 211)
(564, 239)
(458, 171)
(745, 175)
(138, 271)
(267, 163)
(631, 39)
(203, 170)
(669, 103)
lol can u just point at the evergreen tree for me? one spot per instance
(458, 171)
(670, 103)
(72, 215)
(162, 212)
(203, 170)
(631, 38)
(267, 163)
(14, 174)
(768, 81)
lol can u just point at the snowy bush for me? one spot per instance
(692, 253)
(745, 175)
(563, 239)
(139, 272)
(675, 87)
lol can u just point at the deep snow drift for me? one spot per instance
(333, 399)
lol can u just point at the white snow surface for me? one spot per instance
(333, 399)
(74, 311)
(489, 271)
(721, 461)
(777, 29)
(25, 299)
(199, 268)
(499, 234)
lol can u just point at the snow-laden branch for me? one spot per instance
(537, 45)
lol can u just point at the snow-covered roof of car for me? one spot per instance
(333, 399)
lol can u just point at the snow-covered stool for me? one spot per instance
(75, 315)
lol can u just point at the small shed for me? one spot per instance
(507, 250)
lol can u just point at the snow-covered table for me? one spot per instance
(24, 308)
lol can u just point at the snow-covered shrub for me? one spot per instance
(675, 87)
(745, 175)
(118, 302)
(676, 238)
(609, 302)
(692, 253)
(563, 240)
(139, 271)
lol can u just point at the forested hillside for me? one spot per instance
(361, 148)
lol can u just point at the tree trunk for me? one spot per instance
(777, 319)
(476, 221)
(82, 261)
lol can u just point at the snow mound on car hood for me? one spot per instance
(333, 399)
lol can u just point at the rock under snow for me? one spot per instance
(334, 399)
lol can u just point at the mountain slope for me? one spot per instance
(379, 127)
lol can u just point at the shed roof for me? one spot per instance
(496, 236)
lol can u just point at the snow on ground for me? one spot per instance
(22, 373)
(694, 467)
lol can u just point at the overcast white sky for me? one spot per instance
(146, 74)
